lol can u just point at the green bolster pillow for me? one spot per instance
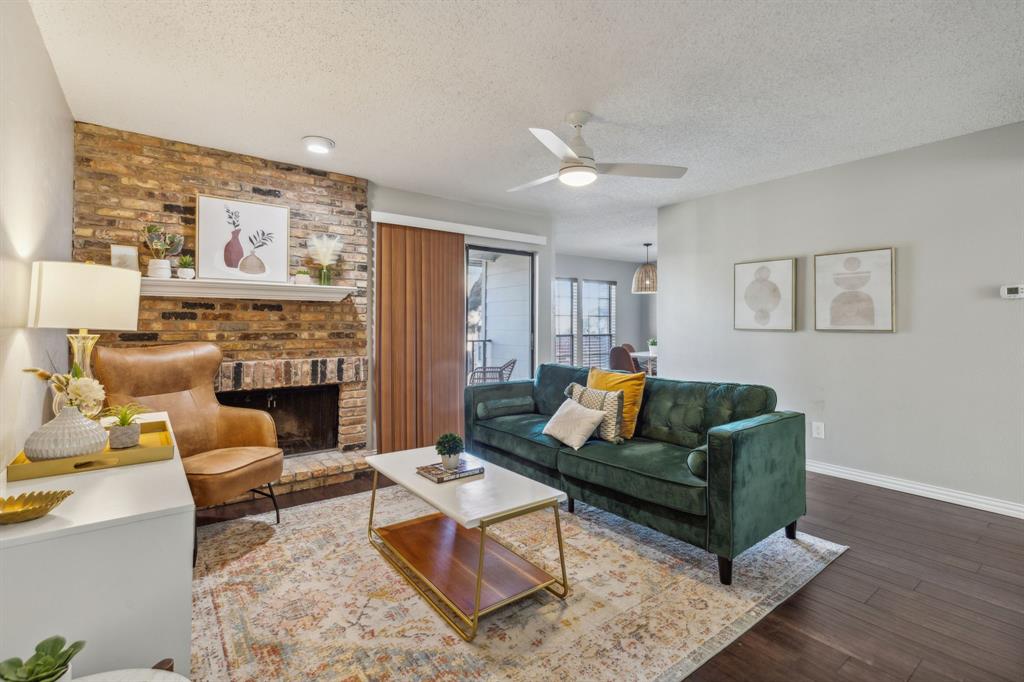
(697, 460)
(489, 409)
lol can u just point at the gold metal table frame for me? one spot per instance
(465, 624)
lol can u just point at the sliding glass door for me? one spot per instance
(499, 314)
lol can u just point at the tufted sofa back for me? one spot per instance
(682, 412)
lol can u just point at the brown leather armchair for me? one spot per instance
(226, 451)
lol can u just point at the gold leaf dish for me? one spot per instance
(28, 506)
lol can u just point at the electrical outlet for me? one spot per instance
(817, 429)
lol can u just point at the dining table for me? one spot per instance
(647, 359)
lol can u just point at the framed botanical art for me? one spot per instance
(242, 240)
(855, 291)
(764, 295)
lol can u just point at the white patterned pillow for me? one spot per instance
(609, 402)
(573, 424)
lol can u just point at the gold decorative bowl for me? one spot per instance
(28, 506)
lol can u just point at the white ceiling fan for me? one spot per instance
(578, 168)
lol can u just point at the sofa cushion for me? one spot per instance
(609, 402)
(522, 435)
(549, 386)
(573, 424)
(682, 412)
(645, 469)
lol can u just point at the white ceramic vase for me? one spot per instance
(69, 434)
(186, 273)
(653, 350)
(303, 279)
(451, 462)
(124, 436)
(159, 267)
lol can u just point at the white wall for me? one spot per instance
(635, 319)
(941, 401)
(36, 176)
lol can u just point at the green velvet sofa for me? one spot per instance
(712, 464)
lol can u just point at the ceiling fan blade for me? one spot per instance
(554, 144)
(641, 170)
(534, 183)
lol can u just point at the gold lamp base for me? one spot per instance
(82, 344)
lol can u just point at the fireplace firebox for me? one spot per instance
(306, 417)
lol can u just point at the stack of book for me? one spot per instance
(438, 474)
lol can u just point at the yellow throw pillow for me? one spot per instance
(632, 387)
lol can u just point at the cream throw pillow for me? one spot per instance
(573, 424)
(609, 402)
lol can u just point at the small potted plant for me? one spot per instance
(302, 276)
(124, 432)
(162, 245)
(50, 663)
(186, 267)
(449, 446)
(652, 346)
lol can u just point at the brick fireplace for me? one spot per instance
(125, 181)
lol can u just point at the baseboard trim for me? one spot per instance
(989, 504)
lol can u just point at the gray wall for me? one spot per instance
(635, 321)
(36, 175)
(939, 402)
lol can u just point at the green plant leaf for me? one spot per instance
(9, 668)
(65, 656)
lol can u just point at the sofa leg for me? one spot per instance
(571, 504)
(791, 531)
(725, 570)
(195, 542)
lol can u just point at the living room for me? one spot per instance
(520, 341)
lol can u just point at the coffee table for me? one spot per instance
(448, 554)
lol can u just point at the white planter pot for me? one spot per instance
(303, 279)
(186, 273)
(450, 462)
(67, 435)
(159, 268)
(653, 350)
(124, 436)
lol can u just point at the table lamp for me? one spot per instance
(83, 295)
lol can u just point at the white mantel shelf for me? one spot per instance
(262, 291)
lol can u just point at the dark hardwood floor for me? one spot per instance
(927, 591)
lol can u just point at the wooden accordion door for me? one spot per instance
(421, 336)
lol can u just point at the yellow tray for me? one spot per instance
(154, 444)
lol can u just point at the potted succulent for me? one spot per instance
(162, 245)
(652, 346)
(124, 432)
(449, 446)
(50, 663)
(186, 267)
(302, 276)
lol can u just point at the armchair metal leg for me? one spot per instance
(273, 498)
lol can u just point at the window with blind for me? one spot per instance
(583, 314)
(564, 309)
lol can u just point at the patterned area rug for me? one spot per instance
(311, 599)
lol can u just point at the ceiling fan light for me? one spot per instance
(577, 176)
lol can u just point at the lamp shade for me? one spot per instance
(82, 295)
(645, 279)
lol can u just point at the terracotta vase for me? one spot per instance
(233, 250)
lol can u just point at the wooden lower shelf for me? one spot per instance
(447, 555)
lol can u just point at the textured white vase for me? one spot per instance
(67, 435)
(186, 273)
(159, 267)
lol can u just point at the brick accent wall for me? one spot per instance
(125, 181)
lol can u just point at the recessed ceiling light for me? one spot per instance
(317, 144)
(577, 176)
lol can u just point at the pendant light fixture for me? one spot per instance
(645, 279)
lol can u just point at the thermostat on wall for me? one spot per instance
(1012, 291)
